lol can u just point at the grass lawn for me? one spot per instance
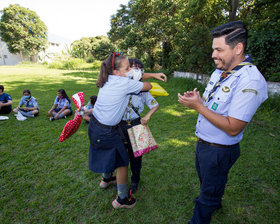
(45, 181)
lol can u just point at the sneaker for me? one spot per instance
(132, 189)
(51, 118)
(127, 202)
(106, 182)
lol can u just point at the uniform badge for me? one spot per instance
(250, 91)
(214, 106)
(226, 89)
(153, 102)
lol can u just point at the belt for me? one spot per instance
(104, 125)
(215, 144)
(133, 122)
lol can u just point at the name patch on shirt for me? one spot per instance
(250, 91)
(214, 106)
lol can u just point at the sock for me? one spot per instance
(107, 175)
(122, 190)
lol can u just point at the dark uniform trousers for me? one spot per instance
(135, 162)
(212, 164)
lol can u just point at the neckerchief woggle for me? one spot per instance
(225, 76)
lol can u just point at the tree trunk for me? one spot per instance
(233, 10)
(21, 57)
(166, 49)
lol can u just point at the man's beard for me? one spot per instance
(224, 66)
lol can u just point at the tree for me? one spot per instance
(97, 47)
(22, 30)
(176, 33)
(262, 19)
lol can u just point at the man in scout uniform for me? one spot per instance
(235, 91)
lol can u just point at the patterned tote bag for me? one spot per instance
(141, 139)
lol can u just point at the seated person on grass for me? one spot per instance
(61, 107)
(89, 108)
(5, 102)
(31, 108)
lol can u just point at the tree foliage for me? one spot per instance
(92, 47)
(175, 34)
(263, 22)
(22, 30)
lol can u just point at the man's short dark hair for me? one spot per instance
(235, 33)
(2, 87)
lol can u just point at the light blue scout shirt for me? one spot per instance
(32, 102)
(113, 98)
(62, 102)
(89, 106)
(139, 101)
(239, 97)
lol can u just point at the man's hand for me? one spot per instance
(190, 99)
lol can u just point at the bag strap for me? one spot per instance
(135, 110)
(130, 105)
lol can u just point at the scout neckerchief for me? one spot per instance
(27, 104)
(226, 75)
(128, 110)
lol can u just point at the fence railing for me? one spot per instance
(273, 87)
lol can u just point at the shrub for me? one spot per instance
(96, 64)
(275, 77)
(72, 63)
(90, 60)
(56, 64)
(271, 105)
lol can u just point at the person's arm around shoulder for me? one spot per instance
(146, 86)
(160, 76)
(230, 125)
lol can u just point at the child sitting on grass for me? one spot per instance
(31, 108)
(89, 108)
(61, 107)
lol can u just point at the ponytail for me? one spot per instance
(103, 75)
(113, 62)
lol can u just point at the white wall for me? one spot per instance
(6, 58)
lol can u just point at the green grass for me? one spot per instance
(44, 181)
